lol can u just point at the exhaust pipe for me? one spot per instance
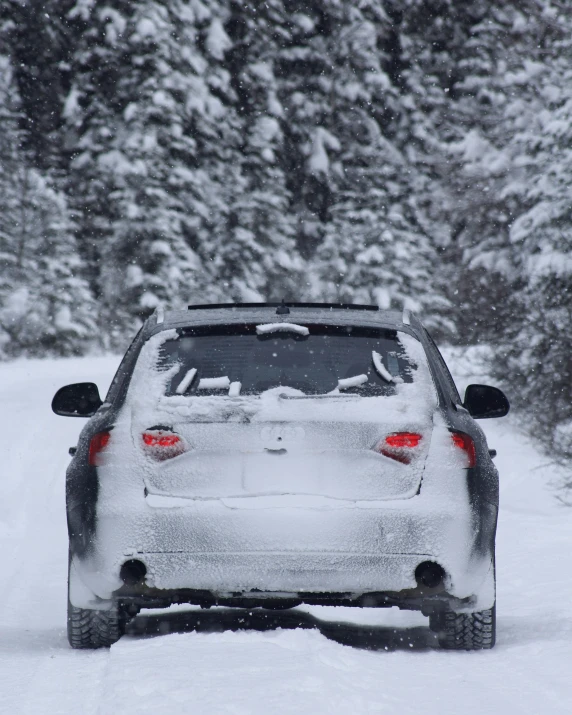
(133, 572)
(429, 574)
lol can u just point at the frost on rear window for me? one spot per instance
(240, 361)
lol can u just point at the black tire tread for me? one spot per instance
(466, 631)
(94, 629)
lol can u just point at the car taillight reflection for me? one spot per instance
(161, 445)
(464, 442)
(400, 446)
(97, 444)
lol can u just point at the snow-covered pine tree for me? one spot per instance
(38, 38)
(148, 117)
(535, 358)
(454, 60)
(310, 81)
(377, 246)
(254, 252)
(45, 305)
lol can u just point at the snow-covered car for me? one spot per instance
(269, 455)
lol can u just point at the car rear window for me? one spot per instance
(329, 358)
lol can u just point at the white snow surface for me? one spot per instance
(347, 382)
(299, 661)
(267, 328)
(214, 383)
(234, 389)
(183, 386)
(380, 367)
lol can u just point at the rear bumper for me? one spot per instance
(229, 573)
(233, 549)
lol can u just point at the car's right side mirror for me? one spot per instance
(482, 401)
(78, 400)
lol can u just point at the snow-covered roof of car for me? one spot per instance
(219, 315)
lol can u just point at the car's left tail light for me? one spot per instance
(401, 446)
(161, 445)
(97, 445)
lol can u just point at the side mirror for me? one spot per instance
(483, 401)
(78, 400)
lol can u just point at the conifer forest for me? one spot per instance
(411, 153)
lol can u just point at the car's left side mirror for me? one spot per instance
(482, 401)
(78, 400)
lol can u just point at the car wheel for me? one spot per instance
(91, 628)
(94, 629)
(465, 631)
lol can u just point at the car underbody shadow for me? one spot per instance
(259, 619)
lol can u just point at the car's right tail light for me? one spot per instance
(161, 445)
(466, 444)
(400, 446)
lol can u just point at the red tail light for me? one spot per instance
(161, 445)
(97, 444)
(400, 446)
(464, 442)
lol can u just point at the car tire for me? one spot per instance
(89, 628)
(465, 631)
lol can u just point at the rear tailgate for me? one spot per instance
(330, 459)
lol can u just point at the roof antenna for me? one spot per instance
(282, 309)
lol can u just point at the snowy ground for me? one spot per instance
(301, 661)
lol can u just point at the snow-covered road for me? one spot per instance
(301, 661)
